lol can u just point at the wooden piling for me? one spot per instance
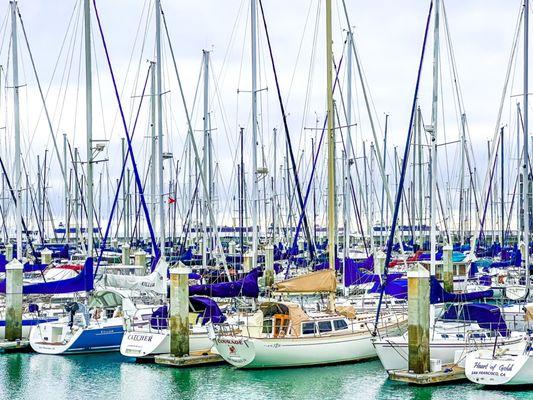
(418, 319)
(447, 267)
(179, 311)
(13, 330)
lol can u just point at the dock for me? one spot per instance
(16, 346)
(449, 373)
(193, 360)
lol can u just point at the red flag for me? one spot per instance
(171, 200)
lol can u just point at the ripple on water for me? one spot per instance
(109, 376)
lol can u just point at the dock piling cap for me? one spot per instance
(418, 271)
(14, 265)
(180, 269)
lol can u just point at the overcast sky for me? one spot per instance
(388, 36)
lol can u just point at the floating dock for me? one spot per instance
(449, 373)
(16, 346)
(194, 360)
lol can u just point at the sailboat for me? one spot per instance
(512, 365)
(283, 334)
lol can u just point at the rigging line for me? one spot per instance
(288, 138)
(13, 196)
(368, 102)
(488, 176)
(350, 181)
(32, 201)
(405, 163)
(130, 152)
(310, 73)
(52, 133)
(218, 243)
(300, 47)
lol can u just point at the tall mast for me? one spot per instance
(153, 137)
(274, 183)
(525, 166)
(159, 125)
(67, 192)
(18, 154)
(384, 182)
(89, 125)
(347, 180)
(462, 179)
(331, 149)
(206, 160)
(420, 160)
(502, 194)
(434, 121)
(254, 131)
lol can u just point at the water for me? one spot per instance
(109, 376)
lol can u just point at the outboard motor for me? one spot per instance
(71, 307)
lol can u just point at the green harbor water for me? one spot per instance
(110, 376)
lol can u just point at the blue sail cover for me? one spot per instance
(354, 275)
(437, 294)
(246, 286)
(27, 266)
(351, 264)
(207, 308)
(487, 316)
(84, 282)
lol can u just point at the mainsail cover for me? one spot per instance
(246, 286)
(155, 282)
(314, 282)
(84, 282)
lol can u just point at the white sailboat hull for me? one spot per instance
(512, 369)
(394, 353)
(246, 352)
(141, 344)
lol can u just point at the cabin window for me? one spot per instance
(340, 324)
(324, 326)
(308, 328)
(267, 326)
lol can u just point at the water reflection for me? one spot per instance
(109, 376)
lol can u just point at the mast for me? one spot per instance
(420, 160)
(159, 99)
(18, 154)
(254, 131)
(124, 208)
(241, 193)
(348, 153)
(462, 180)
(525, 162)
(274, 182)
(502, 210)
(67, 192)
(89, 125)
(434, 121)
(153, 167)
(384, 182)
(518, 167)
(207, 159)
(331, 149)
